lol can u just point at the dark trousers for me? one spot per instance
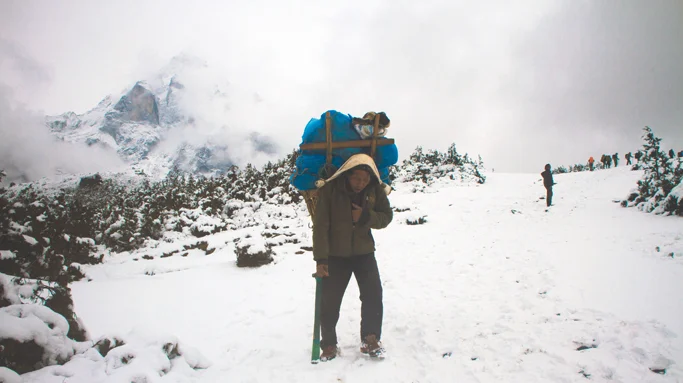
(364, 267)
(549, 195)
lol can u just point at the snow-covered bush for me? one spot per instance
(41, 236)
(39, 327)
(53, 295)
(427, 167)
(40, 332)
(253, 252)
(660, 190)
(33, 336)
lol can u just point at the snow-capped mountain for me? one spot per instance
(184, 117)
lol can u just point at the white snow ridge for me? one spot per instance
(490, 286)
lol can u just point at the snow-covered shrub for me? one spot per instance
(106, 344)
(50, 294)
(560, 170)
(427, 167)
(131, 358)
(39, 326)
(660, 190)
(43, 235)
(33, 336)
(201, 224)
(279, 236)
(253, 252)
(414, 218)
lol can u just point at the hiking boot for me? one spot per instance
(371, 346)
(329, 353)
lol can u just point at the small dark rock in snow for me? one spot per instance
(170, 253)
(447, 354)
(661, 371)
(586, 347)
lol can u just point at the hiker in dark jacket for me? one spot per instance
(628, 158)
(349, 207)
(615, 158)
(672, 153)
(548, 183)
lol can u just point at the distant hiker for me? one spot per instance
(608, 160)
(672, 154)
(639, 155)
(603, 161)
(590, 163)
(628, 158)
(350, 204)
(680, 154)
(548, 183)
(615, 157)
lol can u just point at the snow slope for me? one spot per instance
(492, 288)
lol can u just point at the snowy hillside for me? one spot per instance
(489, 288)
(185, 116)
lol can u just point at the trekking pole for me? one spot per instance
(315, 353)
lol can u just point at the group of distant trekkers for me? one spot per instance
(607, 159)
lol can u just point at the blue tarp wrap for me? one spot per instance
(310, 163)
(308, 167)
(386, 156)
(342, 130)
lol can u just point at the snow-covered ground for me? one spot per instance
(492, 288)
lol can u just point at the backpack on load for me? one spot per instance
(329, 141)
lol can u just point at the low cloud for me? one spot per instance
(29, 152)
(227, 116)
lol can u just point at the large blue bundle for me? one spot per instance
(308, 170)
(385, 156)
(310, 163)
(342, 130)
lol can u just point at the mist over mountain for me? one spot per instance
(186, 116)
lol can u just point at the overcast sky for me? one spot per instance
(522, 83)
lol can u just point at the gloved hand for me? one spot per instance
(321, 271)
(356, 212)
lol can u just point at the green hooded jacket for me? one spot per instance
(334, 233)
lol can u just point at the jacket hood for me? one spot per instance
(352, 162)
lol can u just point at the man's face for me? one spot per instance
(358, 180)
